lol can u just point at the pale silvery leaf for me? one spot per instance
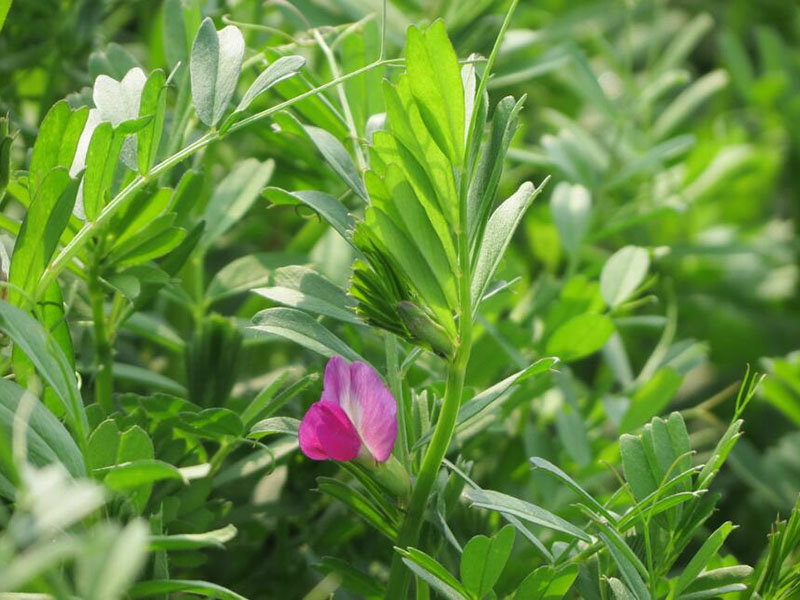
(283, 68)
(376, 122)
(214, 67)
(497, 236)
(623, 272)
(118, 101)
(571, 207)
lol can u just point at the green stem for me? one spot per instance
(442, 434)
(103, 377)
(396, 387)
(397, 587)
(340, 90)
(89, 228)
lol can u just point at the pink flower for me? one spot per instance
(356, 415)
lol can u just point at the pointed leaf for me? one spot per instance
(215, 63)
(499, 230)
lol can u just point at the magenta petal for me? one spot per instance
(337, 380)
(373, 411)
(326, 433)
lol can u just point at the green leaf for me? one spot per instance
(411, 146)
(106, 569)
(545, 465)
(434, 574)
(283, 68)
(141, 217)
(150, 247)
(328, 207)
(547, 583)
(358, 503)
(498, 234)
(248, 272)
(194, 541)
(710, 582)
(5, 157)
(702, 557)
(274, 425)
(337, 157)
(571, 207)
(103, 445)
(140, 472)
(234, 196)
(176, 40)
(298, 327)
(5, 6)
(395, 196)
(484, 559)
(637, 469)
(483, 188)
(49, 360)
(212, 423)
(688, 101)
(623, 272)
(435, 79)
(56, 142)
(45, 221)
(524, 510)
(108, 447)
(651, 399)
(352, 579)
(580, 336)
(478, 403)
(630, 566)
(47, 440)
(685, 40)
(148, 379)
(305, 289)
(573, 435)
(215, 62)
(153, 102)
(101, 161)
(622, 554)
(158, 587)
(269, 401)
(115, 62)
(620, 591)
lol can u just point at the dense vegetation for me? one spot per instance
(433, 299)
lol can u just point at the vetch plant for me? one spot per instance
(431, 238)
(284, 317)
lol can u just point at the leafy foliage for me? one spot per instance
(560, 231)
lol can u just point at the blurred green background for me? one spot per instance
(681, 119)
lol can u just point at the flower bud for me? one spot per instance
(425, 329)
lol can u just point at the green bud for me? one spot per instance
(390, 475)
(425, 329)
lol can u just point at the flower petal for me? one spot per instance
(326, 433)
(374, 413)
(337, 380)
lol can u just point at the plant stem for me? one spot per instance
(396, 387)
(412, 524)
(340, 90)
(103, 377)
